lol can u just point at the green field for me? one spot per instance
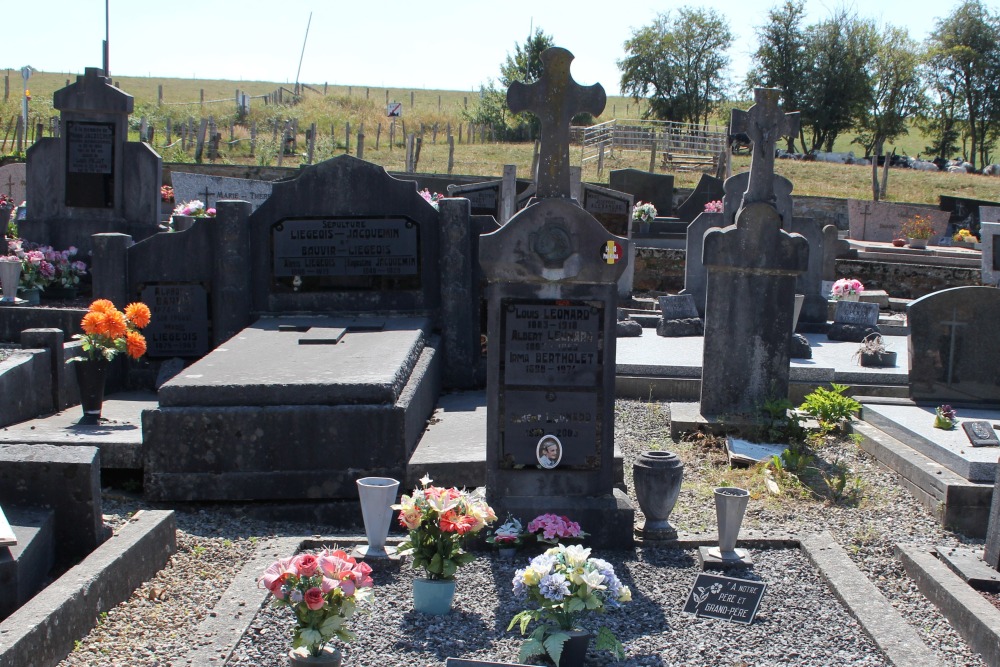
(359, 105)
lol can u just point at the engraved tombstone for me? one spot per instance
(752, 266)
(551, 273)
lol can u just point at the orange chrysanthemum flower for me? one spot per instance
(135, 344)
(92, 323)
(115, 324)
(138, 314)
(102, 306)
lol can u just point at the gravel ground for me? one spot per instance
(800, 623)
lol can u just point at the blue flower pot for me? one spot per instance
(433, 596)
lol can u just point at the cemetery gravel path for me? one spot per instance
(799, 622)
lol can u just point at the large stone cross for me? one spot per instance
(555, 99)
(764, 123)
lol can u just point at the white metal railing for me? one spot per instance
(678, 143)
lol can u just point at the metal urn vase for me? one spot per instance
(377, 496)
(730, 506)
(657, 478)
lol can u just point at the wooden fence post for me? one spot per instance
(361, 143)
(416, 154)
(600, 161)
(200, 145)
(451, 153)
(159, 95)
(652, 156)
(312, 143)
(534, 163)
(411, 99)
(392, 134)
(201, 99)
(378, 134)
(347, 138)
(253, 138)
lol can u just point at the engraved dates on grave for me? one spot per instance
(551, 344)
(345, 247)
(90, 160)
(180, 323)
(571, 416)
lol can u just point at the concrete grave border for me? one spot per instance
(894, 636)
(43, 631)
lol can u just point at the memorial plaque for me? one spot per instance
(484, 198)
(726, 598)
(570, 416)
(212, 189)
(612, 209)
(346, 248)
(856, 312)
(180, 323)
(981, 433)
(552, 344)
(90, 164)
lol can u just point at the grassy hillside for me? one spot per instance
(356, 105)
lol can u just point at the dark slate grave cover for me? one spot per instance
(954, 356)
(964, 212)
(657, 189)
(708, 189)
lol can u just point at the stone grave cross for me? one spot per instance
(555, 99)
(954, 325)
(764, 123)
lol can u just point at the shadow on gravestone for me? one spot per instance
(853, 321)
(990, 261)
(695, 275)
(954, 357)
(709, 188)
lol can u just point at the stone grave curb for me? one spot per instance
(957, 503)
(43, 631)
(883, 623)
(236, 609)
(975, 619)
(232, 615)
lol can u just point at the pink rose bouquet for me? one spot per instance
(553, 529)
(846, 286)
(323, 590)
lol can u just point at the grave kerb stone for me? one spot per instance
(679, 306)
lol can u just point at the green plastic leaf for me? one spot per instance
(606, 640)
(435, 565)
(554, 645)
(449, 567)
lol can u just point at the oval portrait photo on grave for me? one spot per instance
(549, 451)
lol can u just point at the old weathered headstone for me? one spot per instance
(679, 317)
(953, 353)
(612, 209)
(810, 282)
(181, 327)
(13, 180)
(91, 179)
(657, 189)
(695, 274)
(484, 197)
(752, 267)
(555, 101)
(552, 273)
(964, 213)
(853, 321)
(212, 189)
(883, 221)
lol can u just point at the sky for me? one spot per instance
(428, 44)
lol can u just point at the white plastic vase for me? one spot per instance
(730, 506)
(10, 275)
(377, 496)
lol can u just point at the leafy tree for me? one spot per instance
(780, 59)
(525, 64)
(837, 87)
(678, 63)
(491, 109)
(940, 120)
(896, 92)
(965, 47)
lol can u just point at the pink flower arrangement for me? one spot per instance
(195, 208)
(552, 528)
(846, 286)
(323, 590)
(714, 206)
(431, 199)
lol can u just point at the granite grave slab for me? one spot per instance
(883, 221)
(657, 189)
(210, 190)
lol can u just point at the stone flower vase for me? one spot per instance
(377, 495)
(730, 506)
(657, 477)
(90, 377)
(10, 276)
(917, 244)
(328, 657)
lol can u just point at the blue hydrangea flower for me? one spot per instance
(520, 588)
(554, 586)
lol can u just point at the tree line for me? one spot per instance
(844, 74)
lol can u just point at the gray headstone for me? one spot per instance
(986, 213)
(810, 283)
(991, 554)
(964, 213)
(954, 357)
(856, 312)
(708, 189)
(612, 209)
(180, 327)
(675, 307)
(752, 267)
(657, 189)
(13, 179)
(484, 197)
(883, 221)
(555, 98)
(989, 235)
(212, 189)
(695, 275)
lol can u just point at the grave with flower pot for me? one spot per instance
(953, 366)
(552, 272)
(326, 314)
